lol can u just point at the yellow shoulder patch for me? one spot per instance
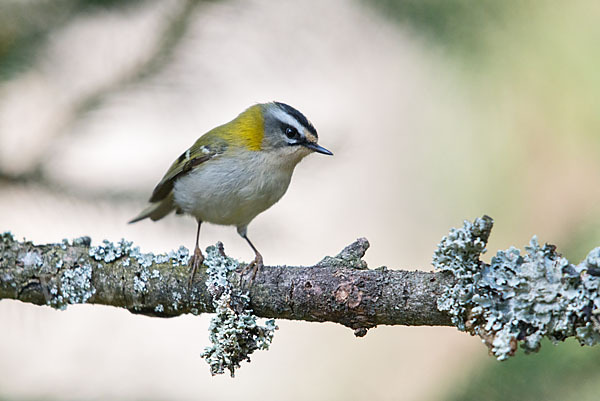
(247, 130)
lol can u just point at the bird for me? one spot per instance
(235, 171)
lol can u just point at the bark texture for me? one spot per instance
(338, 289)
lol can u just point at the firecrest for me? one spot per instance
(236, 171)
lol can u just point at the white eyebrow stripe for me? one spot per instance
(286, 118)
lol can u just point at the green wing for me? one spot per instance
(206, 147)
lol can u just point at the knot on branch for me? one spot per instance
(350, 257)
(518, 298)
(234, 333)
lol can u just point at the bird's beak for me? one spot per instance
(317, 148)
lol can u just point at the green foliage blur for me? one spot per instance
(544, 50)
(529, 72)
(535, 66)
(456, 24)
(557, 373)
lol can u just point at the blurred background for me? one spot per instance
(436, 110)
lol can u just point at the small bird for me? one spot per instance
(236, 171)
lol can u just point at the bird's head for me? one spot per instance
(287, 130)
(276, 128)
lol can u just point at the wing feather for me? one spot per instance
(208, 146)
(205, 148)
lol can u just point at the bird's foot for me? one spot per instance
(195, 263)
(255, 265)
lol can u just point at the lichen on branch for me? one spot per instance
(518, 298)
(234, 332)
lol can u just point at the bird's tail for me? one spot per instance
(156, 211)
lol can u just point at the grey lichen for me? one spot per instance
(176, 299)
(31, 260)
(459, 253)
(74, 281)
(75, 287)
(139, 285)
(109, 252)
(518, 298)
(7, 237)
(234, 332)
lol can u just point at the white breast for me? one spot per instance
(232, 189)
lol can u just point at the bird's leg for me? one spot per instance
(198, 257)
(256, 264)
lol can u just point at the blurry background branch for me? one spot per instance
(337, 289)
(24, 29)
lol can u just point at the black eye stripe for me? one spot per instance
(298, 116)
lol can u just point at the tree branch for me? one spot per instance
(516, 299)
(337, 289)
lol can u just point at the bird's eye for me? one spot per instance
(291, 132)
